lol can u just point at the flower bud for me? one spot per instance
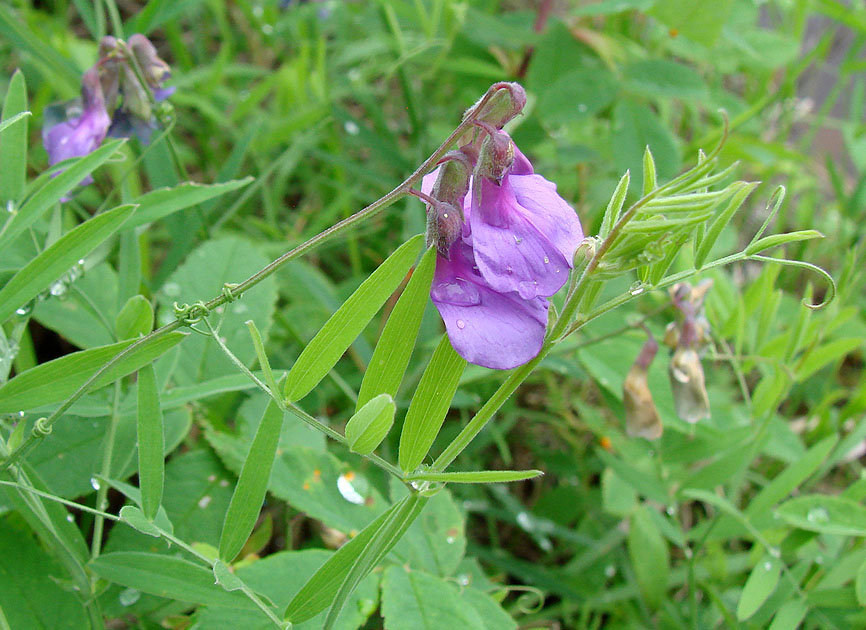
(495, 157)
(135, 98)
(641, 416)
(155, 70)
(687, 383)
(444, 225)
(109, 71)
(506, 103)
(452, 183)
(91, 91)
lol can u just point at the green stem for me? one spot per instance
(107, 455)
(114, 16)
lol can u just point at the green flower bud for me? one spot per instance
(506, 103)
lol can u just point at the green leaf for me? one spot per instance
(165, 576)
(790, 478)
(329, 344)
(759, 586)
(825, 514)
(32, 591)
(392, 353)
(819, 357)
(366, 429)
(722, 220)
(649, 555)
(370, 547)
(279, 577)
(57, 259)
(475, 476)
(225, 578)
(151, 472)
(636, 126)
(416, 600)
(135, 318)
(781, 239)
(136, 519)
(664, 78)
(576, 94)
(790, 615)
(614, 206)
(650, 181)
(252, 484)
(22, 38)
(57, 380)
(610, 7)
(701, 22)
(13, 143)
(430, 404)
(158, 204)
(54, 188)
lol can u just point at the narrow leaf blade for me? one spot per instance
(158, 204)
(392, 353)
(430, 404)
(246, 502)
(151, 470)
(13, 144)
(57, 259)
(476, 476)
(329, 344)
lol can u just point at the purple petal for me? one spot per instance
(77, 136)
(487, 328)
(512, 252)
(160, 94)
(548, 212)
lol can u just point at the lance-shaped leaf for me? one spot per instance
(57, 380)
(475, 476)
(53, 188)
(430, 404)
(329, 344)
(151, 471)
(392, 353)
(13, 144)
(364, 551)
(252, 484)
(52, 263)
(158, 204)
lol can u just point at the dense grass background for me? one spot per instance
(329, 105)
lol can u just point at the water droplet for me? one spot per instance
(240, 308)
(258, 11)
(546, 260)
(267, 29)
(57, 288)
(224, 483)
(819, 559)
(128, 596)
(171, 289)
(204, 501)
(637, 288)
(459, 293)
(671, 510)
(775, 552)
(94, 483)
(21, 312)
(70, 518)
(10, 207)
(219, 310)
(354, 75)
(509, 269)
(610, 571)
(768, 566)
(518, 241)
(461, 324)
(351, 127)
(211, 478)
(525, 521)
(818, 515)
(581, 107)
(450, 540)
(463, 579)
(20, 414)
(347, 490)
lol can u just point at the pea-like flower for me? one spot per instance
(79, 135)
(513, 251)
(641, 415)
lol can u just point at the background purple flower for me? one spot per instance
(79, 135)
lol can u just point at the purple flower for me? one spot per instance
(486, 327)
(79, 135)
(514, 250)
(523, 233)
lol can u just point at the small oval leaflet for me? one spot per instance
(369, 426)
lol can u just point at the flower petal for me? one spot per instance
(487, 328)
(512, 253)
(548, 212)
